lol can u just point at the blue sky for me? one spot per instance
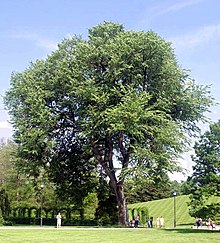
(31, 29)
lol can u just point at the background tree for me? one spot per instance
(5, 206)
(16, 188)
(10, 179)
(119, 96)
(142, 189)
(8, 173)
(205, 180)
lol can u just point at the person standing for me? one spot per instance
(59, 217)
(150, 222)
(161, 222)
(136, 219)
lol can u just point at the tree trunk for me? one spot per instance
(122, 212)
(107, 165)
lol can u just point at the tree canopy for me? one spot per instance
(205, 180)
(118, 101)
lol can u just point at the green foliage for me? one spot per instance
(90, 205)
(144, 216)
(143, 189)
(8, 173)
(20, 191)
(1, 218)
(106, 211)
(17, 187)
(117, 94)
(4, 203)
(205, 179)
(206, 211)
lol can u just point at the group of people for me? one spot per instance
(160, 223)
(209, 223)
(134, 222)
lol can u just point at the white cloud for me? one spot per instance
(5, 124)
(38, 40)
(164, 8)
(199, 37)
(177, 6)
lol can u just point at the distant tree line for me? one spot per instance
(19, 193)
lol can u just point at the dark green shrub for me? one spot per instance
(104, 220)
(144, 216)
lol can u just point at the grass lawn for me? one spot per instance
(110, 235)
(165, 207)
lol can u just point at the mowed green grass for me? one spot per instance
(110, 235)
(165, 208)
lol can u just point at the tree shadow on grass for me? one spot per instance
(192, 231)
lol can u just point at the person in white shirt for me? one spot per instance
(59, 220)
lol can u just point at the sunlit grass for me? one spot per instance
(96, 235)
(165, 208)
